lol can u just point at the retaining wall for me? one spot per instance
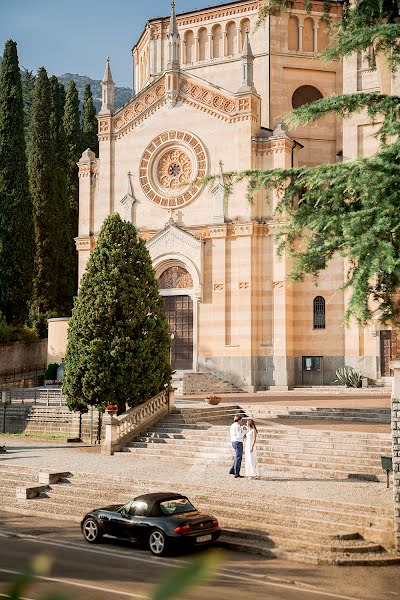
(21, 356)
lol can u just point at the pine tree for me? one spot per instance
(16, 220)
(28, 89)
(356, 214)
(67, 253)
(118, 340)
(89, 122)
(42, 179)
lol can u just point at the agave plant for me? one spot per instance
(349, 377)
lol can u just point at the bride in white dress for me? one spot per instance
(250, 451)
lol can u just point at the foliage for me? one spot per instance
(16, 333)
(351, 208)
(47, 204)
(51, 372)
(66, 256)
(89, 122)
(118, 340)
(28, 89)
(122, 95)
(349, 377)
(16, 221)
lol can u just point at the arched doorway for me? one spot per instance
(173, 282)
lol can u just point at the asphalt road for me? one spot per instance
(116, 570)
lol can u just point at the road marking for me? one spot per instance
(245, 577)
(76, 584)
(20, 598)
(227, 573)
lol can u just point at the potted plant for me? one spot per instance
(212, 399)
(112, 409)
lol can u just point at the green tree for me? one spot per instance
(67, 252)
(349, 208)
(118, 340)
(16, 220)
(73, 138)
(46, 202)
(28, 89)
(89, 122)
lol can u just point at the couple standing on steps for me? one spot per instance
(239, 433)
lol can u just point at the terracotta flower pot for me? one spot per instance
(213, 400)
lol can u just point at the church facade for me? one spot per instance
(211, 89)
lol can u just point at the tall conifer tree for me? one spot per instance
(16, 221)
(89, 122)
(118, 340)
(67, 254)
(42, 180)
(73, 139)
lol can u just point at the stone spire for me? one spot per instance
(107, 86)
(246, 61)
(173, 41)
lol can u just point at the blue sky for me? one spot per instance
(76, 36)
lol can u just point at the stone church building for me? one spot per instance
(210, 91)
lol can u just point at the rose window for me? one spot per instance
(170, 166)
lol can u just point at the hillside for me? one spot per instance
(122, 94)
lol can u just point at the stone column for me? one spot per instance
(282, 289)
(395, 365)
(301, 36)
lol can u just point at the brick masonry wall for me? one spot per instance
(396, 467)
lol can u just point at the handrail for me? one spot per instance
(120, 429)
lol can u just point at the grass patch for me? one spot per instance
(42, 436)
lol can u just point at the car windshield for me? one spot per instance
(177, 505)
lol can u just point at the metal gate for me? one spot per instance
(179, 312)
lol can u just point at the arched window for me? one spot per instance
(319, 312)
(293, 33)
(244, 26)
(308, 35)
(304, 95)
(189, 47)
(217, 41)
(231, 39)
(322, 35)
(203, 38)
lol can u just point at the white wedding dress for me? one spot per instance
(250, 458)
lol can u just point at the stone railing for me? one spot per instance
(395, 365)
(118, 430)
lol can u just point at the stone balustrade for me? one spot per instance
(119, 429)
(395, 365)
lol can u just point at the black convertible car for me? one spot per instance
(162, 521)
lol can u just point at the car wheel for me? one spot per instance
(91, 531)
(157, 542)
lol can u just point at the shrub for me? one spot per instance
(349, 377)
(51, 372)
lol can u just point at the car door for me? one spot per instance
(130, 521)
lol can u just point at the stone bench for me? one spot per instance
(28, 491)
(49, 477)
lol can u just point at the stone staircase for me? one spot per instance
(187, 383)
(301, 452)
(39, 420)
(305, 530)
(310, 413)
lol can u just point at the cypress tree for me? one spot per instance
(89, 122)
(118, 340)
(16, 221)
(28, 88)
(73, 138)
(67, 253)
(42, 179)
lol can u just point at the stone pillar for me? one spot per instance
(301, 36)
(282, 289)
(109, 437)
(395, 365)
